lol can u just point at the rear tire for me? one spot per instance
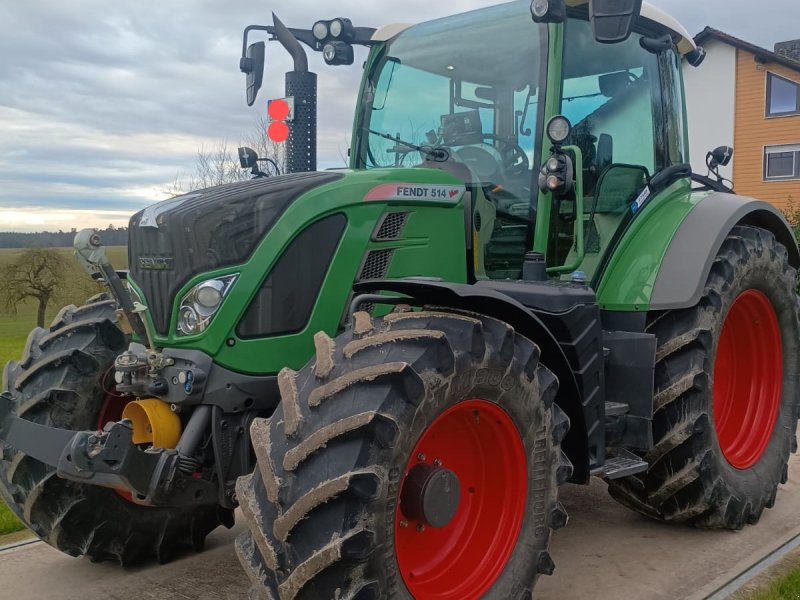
(720, 453)
(324, 509)
(59, 382)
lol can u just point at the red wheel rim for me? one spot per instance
(748, 375)
(479, 442)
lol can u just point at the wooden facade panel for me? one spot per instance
(754, 130)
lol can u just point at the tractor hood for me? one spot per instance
(172, 241)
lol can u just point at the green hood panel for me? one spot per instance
(432, 243)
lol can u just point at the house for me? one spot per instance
(749, 98)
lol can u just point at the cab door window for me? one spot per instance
(612, 96)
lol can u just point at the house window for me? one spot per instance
(782, 162)
(783, 96)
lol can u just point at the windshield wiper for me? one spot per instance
(435, 154)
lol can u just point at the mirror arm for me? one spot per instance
(670, 175)
(657, 45)
(268, 28)
(362, 36)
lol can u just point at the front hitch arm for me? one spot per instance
(107, 458)
(92, 257)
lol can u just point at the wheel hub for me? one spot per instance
(462, 502)
(431, 495)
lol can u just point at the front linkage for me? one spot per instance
(107, 458)
(219, 404)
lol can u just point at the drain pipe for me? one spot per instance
(301, 147)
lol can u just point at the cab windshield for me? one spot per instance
(466, 93)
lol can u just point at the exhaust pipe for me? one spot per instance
(301, 147)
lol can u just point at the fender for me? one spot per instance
(692, 251)
(495, 304)
(664, 257)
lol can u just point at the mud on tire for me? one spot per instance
(322, 508)
(59, 383)
(691, 479)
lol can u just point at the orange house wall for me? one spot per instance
(754, 130)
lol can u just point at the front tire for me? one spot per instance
(328, 510)
(726, 394)
(59, 382)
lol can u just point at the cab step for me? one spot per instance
(624, 464)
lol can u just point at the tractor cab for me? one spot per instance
(475, 95)
(485, 106)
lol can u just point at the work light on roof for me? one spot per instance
(336, 28)
(548, 11)
(339, 29)
(540, 8)
(321, 30)
(338, 53)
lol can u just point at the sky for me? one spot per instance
(103, 105)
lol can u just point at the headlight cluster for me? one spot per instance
(199, 306)
(335, 37)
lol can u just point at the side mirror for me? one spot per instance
(252, 64)
(248, 158)
(719, 157)
(613, 20)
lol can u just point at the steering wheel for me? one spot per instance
(515, 159)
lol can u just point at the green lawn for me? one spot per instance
(8, 522)
(14, 330)
(784, 587)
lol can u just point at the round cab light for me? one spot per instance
(320, 30)
(558, 129)
(540, 8)
(336, 28)
(553, 165)
(329, 53)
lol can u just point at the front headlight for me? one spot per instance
(199, 306)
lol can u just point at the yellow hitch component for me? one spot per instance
(153, 423)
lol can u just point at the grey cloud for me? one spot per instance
(103, 103)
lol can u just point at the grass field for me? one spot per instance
(14, 329)
(785, 586)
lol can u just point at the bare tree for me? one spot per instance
(258, 139)
(36, 274)
(216, 166)
(219, 164)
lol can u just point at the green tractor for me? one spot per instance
(391, 369)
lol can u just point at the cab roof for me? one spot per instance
(685, 42)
